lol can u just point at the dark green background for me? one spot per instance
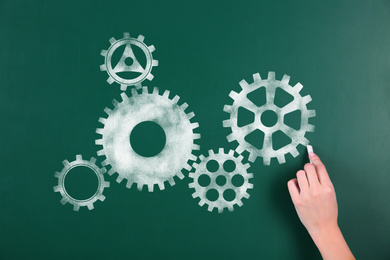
(52, 94)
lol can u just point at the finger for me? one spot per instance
(320, 169)
(293, 189)
(311, 175)
(302, 181)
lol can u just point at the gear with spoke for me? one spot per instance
(148, 107)
(128, 56)
(79, 162)
(214, 184)
(241, 100)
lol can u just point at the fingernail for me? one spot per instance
(311, 154)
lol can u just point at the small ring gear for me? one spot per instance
(241, 100)
(79, 162)
(240, 169)
(121, 66)
(134, 110)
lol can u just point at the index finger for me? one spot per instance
(320, 169)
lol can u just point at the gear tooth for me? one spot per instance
(239, 149)
(201, 203)
(240, 158)
(124, 96)
(141, 38)
(294, 152)
(123, 87)
(231, 153)
(103, 67)
(101, 198)
(150, 187)
(65, 162)
(304, 141)
(134, 92)
(184, 106)
(129, 183)
(56, 188)
(298, 87)
(145, 90)
(99, 142)
(151, 48)
(110, 80)
(281, 159)
(111, 171)
(192, 157)
(103, 170)
(311, 113)
(180, 175)
(100, 152)
(211, 152)
(227, 108)
(310, 128)
(201, 157)
(250, 175)
(138, 86)
(196, 136)
(119, 179)
(63, 201)
(252, 157)
(57, 174)
(195, 147)
(187, 167)
(220, 210)
(79, 157)
(239, 203)
(92, 160)
(221, 150)
(126, 35)
(256, 77)
(166, 94)
(306, 99)
(194, 125)
(103, 53)
(171, 181)
(102, 120)
(76, 207)
(175, 99)
(105, 162)
(112, 40)
(154, 63)
(90, 206)
(99, 131)
(266, 160)
(230, 207)
(227, 123)
(250, 186)
(106, 184)
(161, 185)
(115, 103)
(286, 79)
(271, 76)
(191, 185)
(233, 95)
(246, 166)
(107, 110)
(210, 208)
(190, 115)
(243, 84)
(246, 195)
(155, 91)
(230, 137)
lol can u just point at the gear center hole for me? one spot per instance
(148, 139)
(129, 61)
(81, 183)
(269, 118)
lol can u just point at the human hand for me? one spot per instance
(314, 197)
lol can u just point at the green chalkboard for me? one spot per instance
(53, 92)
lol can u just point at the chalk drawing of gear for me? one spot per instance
(79, 162)
(240, 133)
(128, 63)
(221, 180)
(148, 107)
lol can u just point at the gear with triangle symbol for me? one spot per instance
(128, 56)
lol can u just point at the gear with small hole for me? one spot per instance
(241, 100)
(240, 190)
(143, 107)
(79, 162)
(121, 66)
